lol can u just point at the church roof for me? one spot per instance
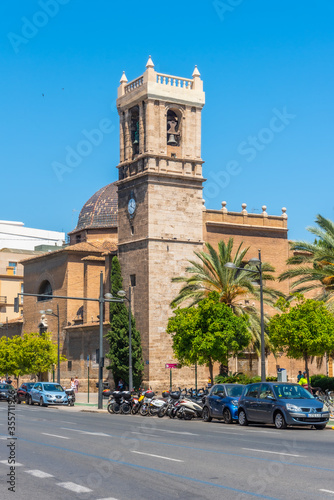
(101, 210)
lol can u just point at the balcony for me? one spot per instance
(3, 300)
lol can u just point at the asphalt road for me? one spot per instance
(66, 454)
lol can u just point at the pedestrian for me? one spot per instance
(72, 384)
(209, 383)
(76, 384)
(120, 384)
(299, 376)
(9, 381)
(303, 381)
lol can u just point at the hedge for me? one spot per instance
(240, 379)
(323, 382)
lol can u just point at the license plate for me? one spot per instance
(314, 415)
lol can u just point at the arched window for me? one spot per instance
(134, 127)
(173, 128)
(45, 289)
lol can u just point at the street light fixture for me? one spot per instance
(49, 312)
(258, 264)
(121, 293)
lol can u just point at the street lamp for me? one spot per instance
(49, 312)
(258, 264)
(122, 294)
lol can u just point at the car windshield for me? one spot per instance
(53, 388)
(5, 386)
(287, 391)
(234, 391)
(29, 385)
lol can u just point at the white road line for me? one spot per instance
(275, 452)
(178, 432)
(77, 488)
(109, 498)
(157, 456)
(38, 473)
(5, 462)
(87, 432)
(144, 434)
(55, 435)
(328, 491)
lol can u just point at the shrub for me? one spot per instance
(240, 378)
(323, 382)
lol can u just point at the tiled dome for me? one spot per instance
(101, 210)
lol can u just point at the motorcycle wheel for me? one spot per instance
(143, 411)
(179, 413)
(126, 408)
(162, 412)
(116, 408)
(110, 408)
(135, 410)
(153, 411)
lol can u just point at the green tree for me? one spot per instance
(118, 335)
(303, 330)
(313, 263)
(33, 353)
(209, 274)
(207, 333)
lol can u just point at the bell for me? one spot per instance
(171, 140)
(136, 141)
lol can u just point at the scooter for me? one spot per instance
(70, 396)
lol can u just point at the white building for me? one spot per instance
(16, 235)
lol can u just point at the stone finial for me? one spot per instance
(197, 82)
(196, 72)
(284, 215)
(264, 213)
(244, 206)
(224, 209)
(149, 63)
(203, 204)
(124, 78)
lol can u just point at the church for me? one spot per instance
(154, 218)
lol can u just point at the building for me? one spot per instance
(16, 235)
(154, 218)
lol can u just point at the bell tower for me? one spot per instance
(160, 207)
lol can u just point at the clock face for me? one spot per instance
(132, 206)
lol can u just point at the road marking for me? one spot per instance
(87, 432)
(328, 491)
(38, 473)
(178, 432)
(109, 498)
(77, 488)
(55, 435)
(275, 452)
(5, 462)
(157, 456)
(144, 434)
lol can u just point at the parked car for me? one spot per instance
(282, 404)
(23, 392)
(48, 393)
(6, 391)
(222, 402)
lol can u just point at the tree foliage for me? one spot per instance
(33, 353)
(118, 335)
(209, 274)
(207, 333)
(303, 330)
(313, 263)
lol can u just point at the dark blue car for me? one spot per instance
(282, 404)
(222, 403)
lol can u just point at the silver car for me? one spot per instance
(48, 393)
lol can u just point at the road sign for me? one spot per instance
(171, 365)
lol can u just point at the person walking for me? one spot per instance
(303, 381)
(76, 384)
(299, 376)
(72, 384)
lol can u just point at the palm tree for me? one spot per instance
(314, 262)
(233, 285)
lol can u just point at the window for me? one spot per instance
(134, 129)
(173, 128)
(253, 391)
(133, 279)
(22, 290)
(13, 266)
(265, 391)
(45, 289)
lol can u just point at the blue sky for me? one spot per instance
(61, 62)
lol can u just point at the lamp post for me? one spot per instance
(122, 294)
(258, 264)
(49, 312)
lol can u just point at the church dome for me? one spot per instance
(101, 210)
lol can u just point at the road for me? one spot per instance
(67, 454)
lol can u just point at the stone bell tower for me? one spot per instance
(159, 201)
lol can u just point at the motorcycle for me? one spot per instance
(120, 402)
(70, 396)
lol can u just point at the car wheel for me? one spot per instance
(18, 400)
(26, 399)
(206, 414)
(227, 416)
(279, 421)
(41, 402)
(242, 418)
(31, 401)
(320, 427)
